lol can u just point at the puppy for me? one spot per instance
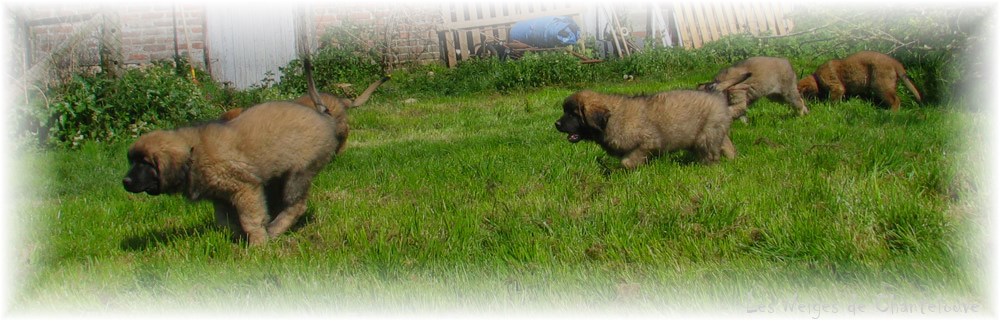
(866, 73)
(637, 128)
(265, 158)
(757, 77)
(336, 109)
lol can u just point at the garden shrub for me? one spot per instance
(101, 108)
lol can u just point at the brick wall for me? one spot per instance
(401, 32)
(150, 32)
(67, 39)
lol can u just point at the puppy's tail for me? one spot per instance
(901, 73)
(302, 35)
(368, 92)
(311, 85)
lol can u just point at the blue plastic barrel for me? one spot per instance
(546, 32)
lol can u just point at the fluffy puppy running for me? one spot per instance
(637, 128)
(265, 158)
(754, 78)
(866, 73)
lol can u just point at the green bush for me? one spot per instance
(102, 108)
(331, 66)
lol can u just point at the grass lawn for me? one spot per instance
(477, 203)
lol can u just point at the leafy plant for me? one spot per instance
(101, 108)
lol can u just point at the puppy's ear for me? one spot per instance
(595, 115)
(172, 165)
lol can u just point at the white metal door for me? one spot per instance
(248, 41)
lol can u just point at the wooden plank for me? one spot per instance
(711, 23)
(462, 13)
(678, 18)
(673, 27)
(789, 23)
(779, 19)
(738, 17)
(725, 15)
(687, 25)
(760, 17)
(465, 24)
(701, 30)
(476, 35)
(495, 12)
(765, 9)
(448, 36)
(698, 19)
(720, 18)
(750, 21)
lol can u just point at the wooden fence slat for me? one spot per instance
(704, 34)
(725, 15)
(509, 19)
(699, 23)
(769, 17)
(681, 24)
(476, 13)
(463, 38)
(779, 19)
(740, 19)
(719, 17)
(751, 18)
(449, 36)
(692, 23)
(714, 23)
(761, 18)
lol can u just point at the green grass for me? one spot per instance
(476, 203)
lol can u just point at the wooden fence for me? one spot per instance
(702, 22)
(469, 24)
(694, 23)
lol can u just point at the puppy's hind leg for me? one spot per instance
(296, 192)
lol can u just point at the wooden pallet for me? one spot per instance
(469, 24)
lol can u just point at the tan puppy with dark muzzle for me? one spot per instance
(754, 78)
(336, 109)
(635, 129)
(866, 73)
(265, 158)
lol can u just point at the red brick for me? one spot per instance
(153, 48)
(357, 16)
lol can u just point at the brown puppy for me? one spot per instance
(757, 77)
(637, 128)
(265, 158)
(866, 73)
(336, 108)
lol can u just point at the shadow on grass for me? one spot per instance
(160, 237)
(164, 236)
